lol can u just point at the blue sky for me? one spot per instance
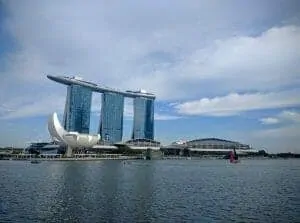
(227, 69)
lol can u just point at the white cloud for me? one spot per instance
(282, 137)
(282, 132)
(166, 117)
(279, 139)
(286, 116)
(20, 107)
(44, 106)
(242, 63)
(157, 116)
(233, 104)
(285, 136)
(269, 121)
(178, 50)
(292, 116)
(128, 113)
(178, 54)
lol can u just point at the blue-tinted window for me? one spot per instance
(143, 122)
(111, 123)
(78, 109)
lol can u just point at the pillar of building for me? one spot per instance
(69, 152)
(143, 120)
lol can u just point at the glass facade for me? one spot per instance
(111, 123)
(78, 109)
(143, 121)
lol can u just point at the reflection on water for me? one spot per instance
(152, 191)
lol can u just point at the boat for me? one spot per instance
(35, 161)
(233, 157)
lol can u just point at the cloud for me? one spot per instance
(28, 108)
(283, 132)
(269, 121)
(292, 116)
(157, 117)
(128, 113)
(284, 136)
(166, 117)
(241, 63)
(161, 57)
(286, 116)
(180, 53)
(21, 108)
(280, 137)
(233, 104)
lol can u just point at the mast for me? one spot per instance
(235, 154)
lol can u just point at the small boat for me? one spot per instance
(35, 161)
(233, 157)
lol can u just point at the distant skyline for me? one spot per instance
(224, 69)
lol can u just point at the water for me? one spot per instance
(150, 191)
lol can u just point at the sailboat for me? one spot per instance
(234, 157)
(35, 161)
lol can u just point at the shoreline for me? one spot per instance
(57, 159)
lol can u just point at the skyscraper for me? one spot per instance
(78, 105)
(111, 122)
(143, 121)
(77, 109)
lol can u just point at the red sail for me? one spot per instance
(231, 157)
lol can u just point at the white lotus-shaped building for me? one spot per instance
(70, 139)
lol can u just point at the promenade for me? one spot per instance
(76, 157)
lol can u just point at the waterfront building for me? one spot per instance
(111, 121)
(44, 148)
(143, 121)
(78, 106)
(143, 144)
(216, 144)
(69, 139)
(77, 109)
(208, 146)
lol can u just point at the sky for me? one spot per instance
(225, 69)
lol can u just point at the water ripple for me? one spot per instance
(150, 191)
